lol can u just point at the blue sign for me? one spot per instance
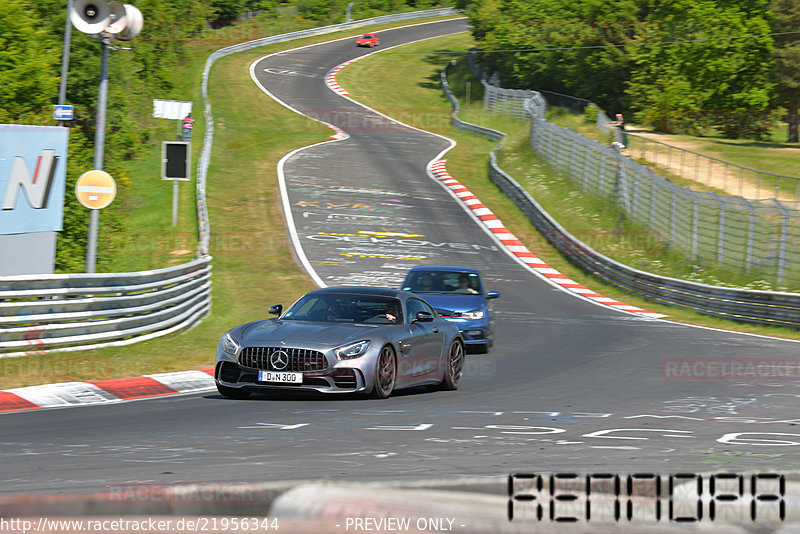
(33, 174)
(63, 113)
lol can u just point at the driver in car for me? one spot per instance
(463, 284)
(393, 311)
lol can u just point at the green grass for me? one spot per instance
(410, 89)
(253, 265)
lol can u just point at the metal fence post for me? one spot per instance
(741, 181)
(653, 199)
(695, 222)
(783, 242)
(751, 226)
(720, 230)
(586, 160)
(673, 216)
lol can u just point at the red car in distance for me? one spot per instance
(368, 39)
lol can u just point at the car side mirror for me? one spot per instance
(492, 295)
(424, 317)
(275, 309)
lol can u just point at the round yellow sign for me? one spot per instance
(95, 189)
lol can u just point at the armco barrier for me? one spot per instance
(764, 307)
(80, 311)
(53, 313)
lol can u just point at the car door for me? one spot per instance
(422, 347)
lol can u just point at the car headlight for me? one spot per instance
(229, 345)
(474, 314)
(352, 350)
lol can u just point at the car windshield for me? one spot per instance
(443, 282)
(367, 36)
(346, 308)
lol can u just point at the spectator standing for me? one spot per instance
(188, 123)
(620, 123)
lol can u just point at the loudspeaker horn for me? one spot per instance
(90, 16)
(133, 23)
(117, 20)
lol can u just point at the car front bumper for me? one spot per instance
(334, 380)
(474, 332)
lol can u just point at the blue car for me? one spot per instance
(457, 294)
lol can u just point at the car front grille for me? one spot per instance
(302, 360)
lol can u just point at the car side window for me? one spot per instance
(416, 305)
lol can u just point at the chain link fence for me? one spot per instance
(713, 172)
(743, 305)
(760, 237)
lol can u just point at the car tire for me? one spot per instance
(454, 366)
(233, 393)
(385, 373)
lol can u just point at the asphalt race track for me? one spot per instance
(569, 385)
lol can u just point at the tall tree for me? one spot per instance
(710, 76)
(28, 63)
(577, 44)
(786, 70)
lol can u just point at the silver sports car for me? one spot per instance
(342, 340)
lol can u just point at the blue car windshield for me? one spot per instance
(443, 282)
(346, 308)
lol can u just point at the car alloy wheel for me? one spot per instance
(385, 374)
(455, 366)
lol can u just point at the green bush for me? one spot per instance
(590, 113)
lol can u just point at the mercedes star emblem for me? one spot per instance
(279, 360)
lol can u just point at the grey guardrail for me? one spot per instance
(67, 312)
(753, 306)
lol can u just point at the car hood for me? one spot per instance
(459, 302)
(303, 333)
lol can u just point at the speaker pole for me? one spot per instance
(99, 148)
(98, 18)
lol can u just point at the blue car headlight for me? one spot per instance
(229, 345)
(473, 314)
(352, 350)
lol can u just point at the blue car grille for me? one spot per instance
(302, 360)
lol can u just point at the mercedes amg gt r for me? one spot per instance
(342, 340)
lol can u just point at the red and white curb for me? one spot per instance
(514, 245)
(330, 78)
(340, 134)
(66, 394)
